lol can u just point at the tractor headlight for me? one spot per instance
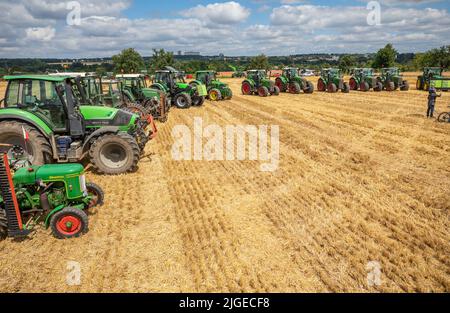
(83, 185)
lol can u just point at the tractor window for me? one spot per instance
(40, 98)
(12, 98)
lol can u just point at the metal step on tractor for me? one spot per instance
(60, 130)
(55, 194)
(432, 77)
(291, 81)
(217, 90)
(364, 79)
(258, 83)
(135, 90)
(182, 94)
(332, 80)
(90, 89)
(391, 79)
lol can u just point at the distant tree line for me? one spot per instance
(130, 61)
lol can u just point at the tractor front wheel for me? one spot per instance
(405, 86)
(309, 87)
(332, 87)
(69, 223)
(37, 147)
(198, 100)
(276, 91)
(183, 101)
(294, 88)
(214, 95)
(114, 154)
(263, 91)
(97, 194)
(390, 86)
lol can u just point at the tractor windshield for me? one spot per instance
(163, 77)
(436, 71)
(291, 72)
(38, 97)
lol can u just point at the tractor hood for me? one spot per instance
(99, 116)
(150, 92)
(47, 173)
(182, 85)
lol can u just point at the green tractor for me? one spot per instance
(290, 81)
(432, 77)
(364, 79)
(135, 90)
(43, 109)
(258, 83)
(217, 90)
(332, 80)
(182, 94)
(56, 194)
(391, 79)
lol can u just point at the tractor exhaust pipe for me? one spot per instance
(45, 204)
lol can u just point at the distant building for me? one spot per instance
(192, 53)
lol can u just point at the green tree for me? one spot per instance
(346, 62)
(260, 62)
(434, 57)
(160, 59)
(385, 57)
(128, 61)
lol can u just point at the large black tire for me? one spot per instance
(378, 86)
(182, 101)
(114, 154)
(280, 84)
(332, 88)
(214, 94)
(390, 86)
(246, 88)
(405, 86)
(59, 223)
(97, 192)
(294, 88)
(230, 94)
(309, 87)
(364, 86)
(198, 101)
(276, 91)
(37, 147)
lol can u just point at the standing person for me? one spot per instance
(432, 101)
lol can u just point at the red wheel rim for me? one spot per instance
(246, 88)
(362, 86)
(279, 84)
(68, 225)
(320, 85)
(352, 84)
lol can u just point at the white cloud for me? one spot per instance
(219, 13)
(40, 33)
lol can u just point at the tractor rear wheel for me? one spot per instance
(353, 84)
(183, 101)
(332, 87)
(276, 91)
(321, 85)
(309, 87)
(114, 154)
(280, 84)
(405, 86)
(69, 223)
(364, 86)
(37, 147)
(263, 91)
(294, 88)
(198, 100)
(215, 94)
(246, 88)
(96, 192)
(229, 94)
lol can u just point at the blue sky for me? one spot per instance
(273, 27)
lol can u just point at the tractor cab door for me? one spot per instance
(75, 121)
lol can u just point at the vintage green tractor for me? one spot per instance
(60, 130)
(363, 79)
(56, 194)
(290, 81)
(181, 93)
(332, 80)
(258, 83)
(135, 90)
(432, 77)
(217, 90)
(392, 80)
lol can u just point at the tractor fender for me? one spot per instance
(99, 132)
(43, 128)
(250, 81)
(283, 79)
(195, 82)
(129, 95)
(49, 216)
(159, 87)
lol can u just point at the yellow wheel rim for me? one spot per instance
(213, 96)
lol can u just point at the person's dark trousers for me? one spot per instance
(430, 110)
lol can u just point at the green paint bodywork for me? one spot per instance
(19, 113)
(363, 75)
(57, 79)
(392, 74)
(333, 76)
(258, 78)
(432, 77)
(210, 81)
(291, 75)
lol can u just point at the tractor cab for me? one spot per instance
(257, 75)
(432, 72)
(112, 94)
(290, 72)
(206, 77)
(390, 72)
(86, 87)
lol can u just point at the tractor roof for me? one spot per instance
(290, 68)
(206, 71)
(129, 75)
(73, 74)
(37, 77)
